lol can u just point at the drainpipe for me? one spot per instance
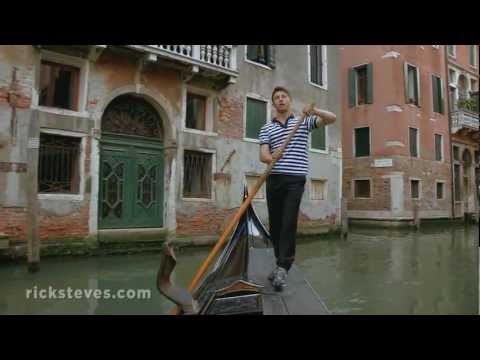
(449, 116)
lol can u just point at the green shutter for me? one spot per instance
(352, 94)
(256, 117)
(436, 103)
(271, 56)
(319, 138)
(472, 55)
(417, 83)
(405, 81)
(413, 142)
(252, 52)
(362, 142)
(370, 83)
(440, 96)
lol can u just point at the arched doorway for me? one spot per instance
(131, 165)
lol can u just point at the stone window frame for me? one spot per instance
(259, 97)
(210, 110)
(262, 188)
(82, 64)
(353, 187)
(454, 54)
(324, 86)
(442, 147)
(325, 189)
(420, 188)
(475, 56)
(444, 188)
(418, 142)
(370, 142)
(442, 94)
(81, 160)
(247, 60)
(214, 170)
(418, 83)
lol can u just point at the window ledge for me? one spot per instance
(258, 64)
(64, 197)
(362, 198)
(325, 152)
(200, 132)
(251, 140)
(197, 199)
(57, 111)
(323, 87)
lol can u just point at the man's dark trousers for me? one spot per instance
(284, 194)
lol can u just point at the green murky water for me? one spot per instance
(374, 271)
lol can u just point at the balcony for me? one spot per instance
(464, 119)
(213, 61)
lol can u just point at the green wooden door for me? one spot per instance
(131, 183)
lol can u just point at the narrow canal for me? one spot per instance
(374, 271)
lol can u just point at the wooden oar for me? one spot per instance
(203, 268)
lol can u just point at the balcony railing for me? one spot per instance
(219, 58)
(464, 119)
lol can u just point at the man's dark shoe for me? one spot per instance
(280, 280)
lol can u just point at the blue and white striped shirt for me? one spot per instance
(295, 157)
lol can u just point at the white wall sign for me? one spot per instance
(383, 163)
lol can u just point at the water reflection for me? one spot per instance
(374, 271)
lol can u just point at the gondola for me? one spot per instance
(237, 283)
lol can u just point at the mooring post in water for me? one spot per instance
(344, 216)
(416, 216)
(33, 240)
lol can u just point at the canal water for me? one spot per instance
(373, 271)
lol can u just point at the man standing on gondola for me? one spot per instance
(286, 183)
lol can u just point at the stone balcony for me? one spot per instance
(211, 61)
(462, 119)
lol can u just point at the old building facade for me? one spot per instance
(395, 133)
(145, 142)
(463, 80)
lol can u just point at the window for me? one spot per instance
(317, 60)
(59, 85)
(59, 166)
(438, 147)
(362, 142)
(412, 84)
(196, 112)
(360, 85)
(473, 55)
(362, 188)
(456, 176)
(437, 91)
(197, 174)
(262, 54)
(256, 117)
(413, 137)
(456, 153)
(477, 157)
(439, 190)
(318, 190)
(319, 138)
(451, 49)
(473, 86)
(251, 181)
(415, 189)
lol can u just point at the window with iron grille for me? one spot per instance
(316, 64)
(318, 189)
(413, 138)
(196, 112)
(58, 167)
(59, 85)
(438, 147)
(362, 188)
(251, 181)
(262, 54)
(197, 174)
(362, 142)
(415, 189)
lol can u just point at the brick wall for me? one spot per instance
(205, 220)
(229, 121)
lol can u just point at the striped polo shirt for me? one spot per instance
(295, 157)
